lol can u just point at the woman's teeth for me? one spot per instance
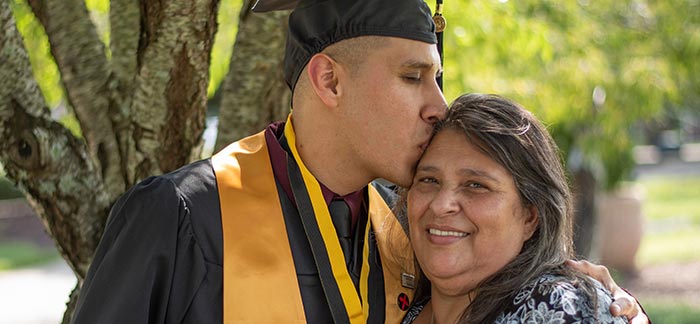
(438, 232)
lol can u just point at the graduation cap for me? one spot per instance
(317, 24)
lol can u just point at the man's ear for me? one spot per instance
(532, 219)
(323, 76)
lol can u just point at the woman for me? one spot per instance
(490, 220)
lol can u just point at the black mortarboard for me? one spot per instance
(316, 24)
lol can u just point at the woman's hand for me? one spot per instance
(624, 304)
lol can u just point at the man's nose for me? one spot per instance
(436, 106)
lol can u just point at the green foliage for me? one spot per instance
(589, 69)
(21, 254)
(48, 76)
(101, 6)
(37, 44)
(44, 67)
(682, 45)
(99, 14)
(223, 43)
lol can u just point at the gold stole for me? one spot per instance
(260, 283)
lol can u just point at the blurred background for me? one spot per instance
(616, 82)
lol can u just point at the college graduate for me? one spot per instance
(284, 226)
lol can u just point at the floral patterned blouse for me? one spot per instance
(549, 299)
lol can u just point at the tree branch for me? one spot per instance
(245, 109)
(171, 86)
(82, 62)
(125, 29)
(125, 22)
(44, 159)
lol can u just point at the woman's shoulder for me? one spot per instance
(415, 310)
(553, 298)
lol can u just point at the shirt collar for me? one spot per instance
(278, 159)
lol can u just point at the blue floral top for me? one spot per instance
(549, 299)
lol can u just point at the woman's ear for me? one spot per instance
(322, 71)
(532, 219)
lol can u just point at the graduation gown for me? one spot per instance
(161, 257)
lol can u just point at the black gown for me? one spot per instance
(160, 259)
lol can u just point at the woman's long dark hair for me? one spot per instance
(515, 139)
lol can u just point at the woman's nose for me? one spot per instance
(445, 203)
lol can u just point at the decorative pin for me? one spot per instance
(439, 19)
(440, 23)
(408, 280)
(403, 302)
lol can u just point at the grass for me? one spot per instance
(671, 312)
(8, 190)
(672, 198)
(672, 234)
(19, 254)
(673, 246)
(672, 211)
(22, 254)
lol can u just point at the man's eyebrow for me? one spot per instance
(426, 168)
(423, 65)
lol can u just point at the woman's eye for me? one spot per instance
(475, 185)
(427, 180)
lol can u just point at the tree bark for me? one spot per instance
(141, 113)
(81, 59)
(50, 165)
(169, 102)
(585, 185)
(254, 92)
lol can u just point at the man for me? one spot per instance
(282, 227)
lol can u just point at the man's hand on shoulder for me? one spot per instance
(624, 304)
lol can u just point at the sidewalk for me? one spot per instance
(35, 295)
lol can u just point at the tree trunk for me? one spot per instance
(141, 113)
(585, 185)
(84, 72)
(254, 92)
(50, 165)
